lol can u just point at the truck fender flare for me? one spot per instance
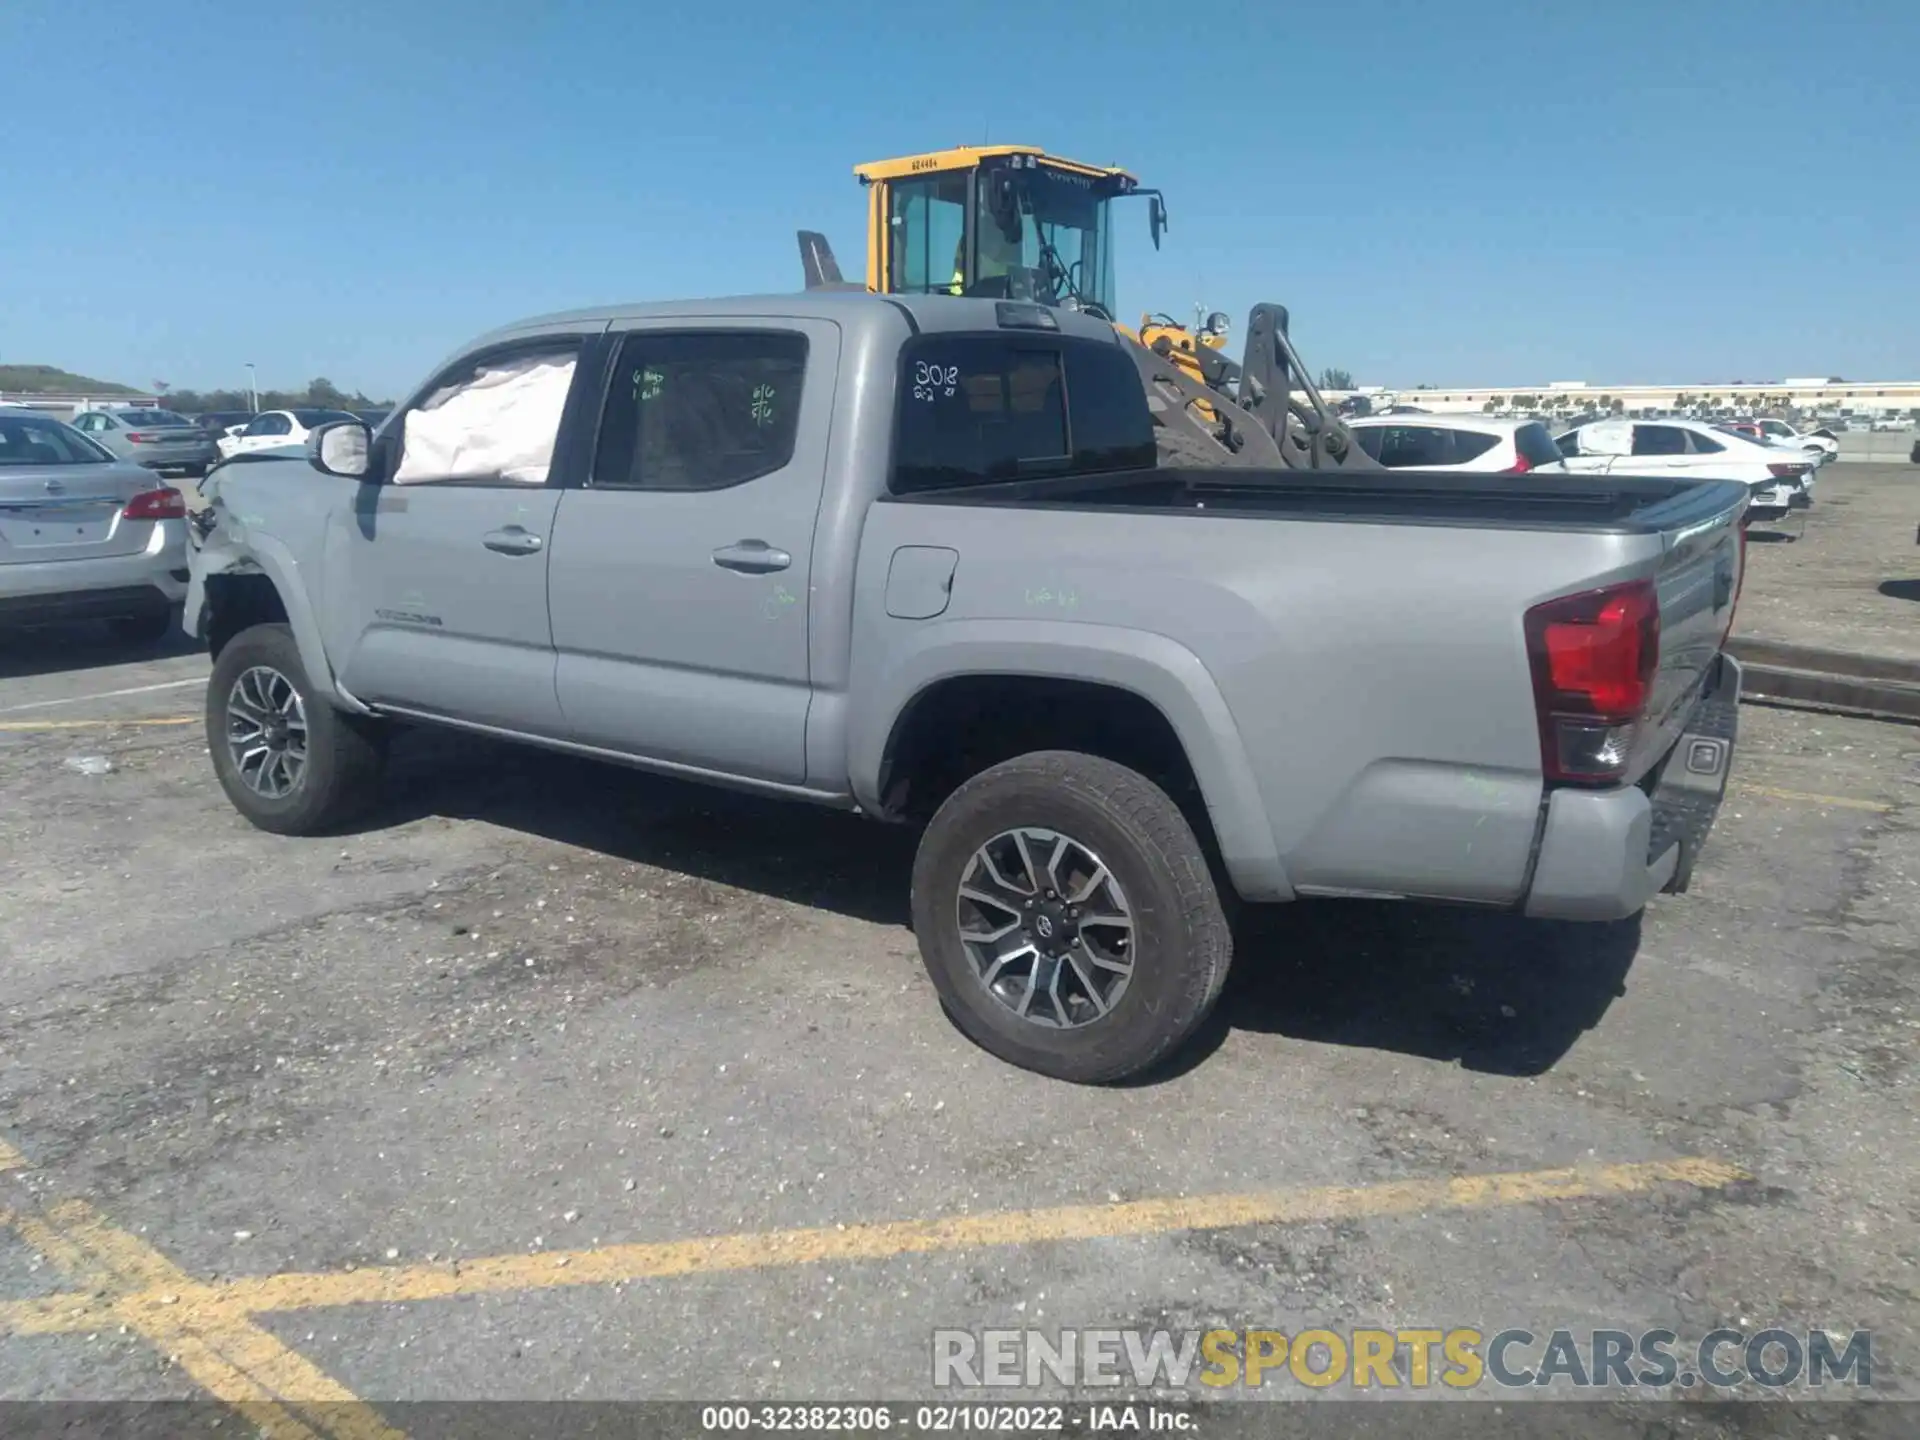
(1160, 671)
(267, 556)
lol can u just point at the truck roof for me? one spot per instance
(848, 307)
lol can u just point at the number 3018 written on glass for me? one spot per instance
(932, 381)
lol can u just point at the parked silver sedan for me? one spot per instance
(85, 535)
(157, 439)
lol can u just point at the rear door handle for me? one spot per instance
(751, 557)
(512, 540)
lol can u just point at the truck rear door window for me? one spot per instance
(978, 409)
(700, 411)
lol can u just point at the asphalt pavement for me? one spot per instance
(1845, 574)
(558, 1082)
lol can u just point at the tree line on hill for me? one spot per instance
(320, 393)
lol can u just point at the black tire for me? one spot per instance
(149, 627)
(1182, 944)
(344, 757)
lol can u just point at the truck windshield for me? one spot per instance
(1065, 238)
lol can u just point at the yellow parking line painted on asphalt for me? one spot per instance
(1808, 797)
(232, 1359)
(27, 726)
(126, 1281)
(781, 1248)
(67, 1314)
(225, 1353)
(213, 1308)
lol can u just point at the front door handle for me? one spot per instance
(751, 557)
(513, 540)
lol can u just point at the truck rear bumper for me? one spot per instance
(1605, 853)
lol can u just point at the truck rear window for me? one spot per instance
(978, 409)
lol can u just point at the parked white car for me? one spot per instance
(271, 428)
(1778, 480)
(1457, 442)
(1819, 447)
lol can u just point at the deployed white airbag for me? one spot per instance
(500, 423)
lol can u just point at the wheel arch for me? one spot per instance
(262, 586)
(1153, 693)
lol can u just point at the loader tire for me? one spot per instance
(1183, 450)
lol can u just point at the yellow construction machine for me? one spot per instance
(1015, 222)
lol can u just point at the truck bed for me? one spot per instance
(1372, 666)
(1600, 504)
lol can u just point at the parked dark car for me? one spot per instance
(158, 439)
(217, 422)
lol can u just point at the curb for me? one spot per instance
(1881, 687)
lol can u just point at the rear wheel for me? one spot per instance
(288, 760)
(1066, 914)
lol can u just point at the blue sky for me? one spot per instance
(1449, 193)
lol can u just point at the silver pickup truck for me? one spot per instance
(914, 557)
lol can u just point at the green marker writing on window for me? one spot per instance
(763, 398)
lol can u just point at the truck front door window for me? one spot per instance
(496, 422)
(700, 411)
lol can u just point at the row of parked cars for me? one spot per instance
(89, 528)
(1776, 463)
(164, 440)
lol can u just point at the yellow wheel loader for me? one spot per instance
(1016, 223)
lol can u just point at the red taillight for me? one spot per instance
(1593, 657)
(1521, 465)
(166, 503)
(1787, 472)
(140, 437)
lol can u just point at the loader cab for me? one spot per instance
(1005, 221)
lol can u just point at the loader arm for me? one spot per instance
(1245, 414)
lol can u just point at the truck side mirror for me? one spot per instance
(1156, 218)
(340, 447)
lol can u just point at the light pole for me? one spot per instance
(253, 390)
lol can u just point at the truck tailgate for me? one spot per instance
(1698, 583)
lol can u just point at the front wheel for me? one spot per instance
(288, 760)
(1068, 918)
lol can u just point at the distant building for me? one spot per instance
(66, 405)
(1832, 398)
